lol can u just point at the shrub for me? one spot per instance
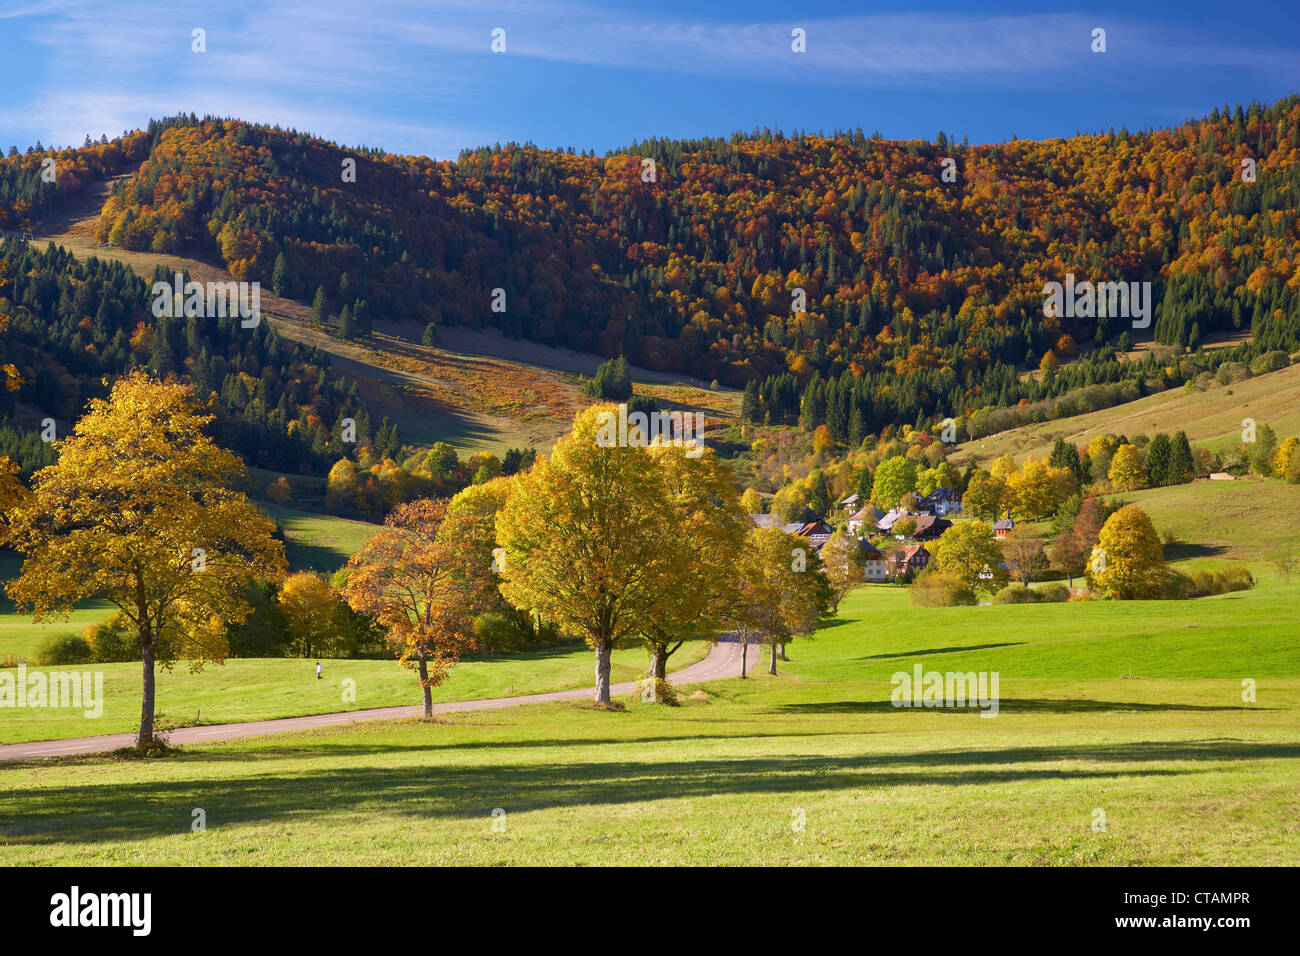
(1180, 586)
(1015, 593)
(1204, 583)
(113, 641)
(1270, 362)
(511, 630)
(1230, 372)
(63, 649)
(936, 589)
(655, 690)
(1053, 593)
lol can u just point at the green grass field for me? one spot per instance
(1249, 520)
(263, 688)
(1184, 771)
(318, 542)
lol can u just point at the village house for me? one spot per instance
(928, 527)
(817, 531)
(1003, 527)
(886, 523)
(875, 567)
(940, 502)
(911, 558)
(866, 519)
(850, 503)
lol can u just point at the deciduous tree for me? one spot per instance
(1128, 562)
(423, 578)
(139, 511)
(585, 543)
(969, 551)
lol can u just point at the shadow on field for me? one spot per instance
(1011, 705)
(98, 814)
(940, 650)
(1184, 550)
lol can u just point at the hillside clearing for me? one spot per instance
(1212, 418)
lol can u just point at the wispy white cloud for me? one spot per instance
(357, 72)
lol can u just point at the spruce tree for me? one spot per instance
(319, 307)
(1182, 467)
(1158, 455)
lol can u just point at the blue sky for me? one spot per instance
(421, 78)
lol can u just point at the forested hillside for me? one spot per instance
(71, 323)
(923, 296)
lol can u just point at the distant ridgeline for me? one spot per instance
(909, 275)
(72, 323)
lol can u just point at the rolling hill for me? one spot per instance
(1212, 418)
(926, 294)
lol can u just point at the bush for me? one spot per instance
(63, 649)
(935, 589)
(1230, 372)
(1015, 593)
(1053, 593)
(1270, 362)
(1180, 586)
(511, 630)
(113, 641)
(1221, 582)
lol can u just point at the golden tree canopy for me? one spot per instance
(138, 510)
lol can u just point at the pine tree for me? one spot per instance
(280, 276)
(347, 324)
(1181, 468)
(819, 497)
(751, 406)
(1158, 455)
(319, 307)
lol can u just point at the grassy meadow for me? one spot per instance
(264, 688)
(1184, 770)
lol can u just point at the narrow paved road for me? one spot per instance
(722, 661)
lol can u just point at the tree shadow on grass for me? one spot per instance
(1013, 705)
(940, 650)
(108, 813)
(1182, 551)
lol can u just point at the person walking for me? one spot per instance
(318, 677)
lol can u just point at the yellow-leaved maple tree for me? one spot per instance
(423, 579)
(701, 509)
(140, 511)
(587, 542)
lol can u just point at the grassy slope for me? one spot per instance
(1211, 418)
(1246, 520)
(262, 688)
(1185, 772)
(319, 542)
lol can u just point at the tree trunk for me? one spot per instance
(602, 672)
(424, 685)
(744, 654)
(772, 670)
(658, 662)
(783, 657)
(146, 706)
